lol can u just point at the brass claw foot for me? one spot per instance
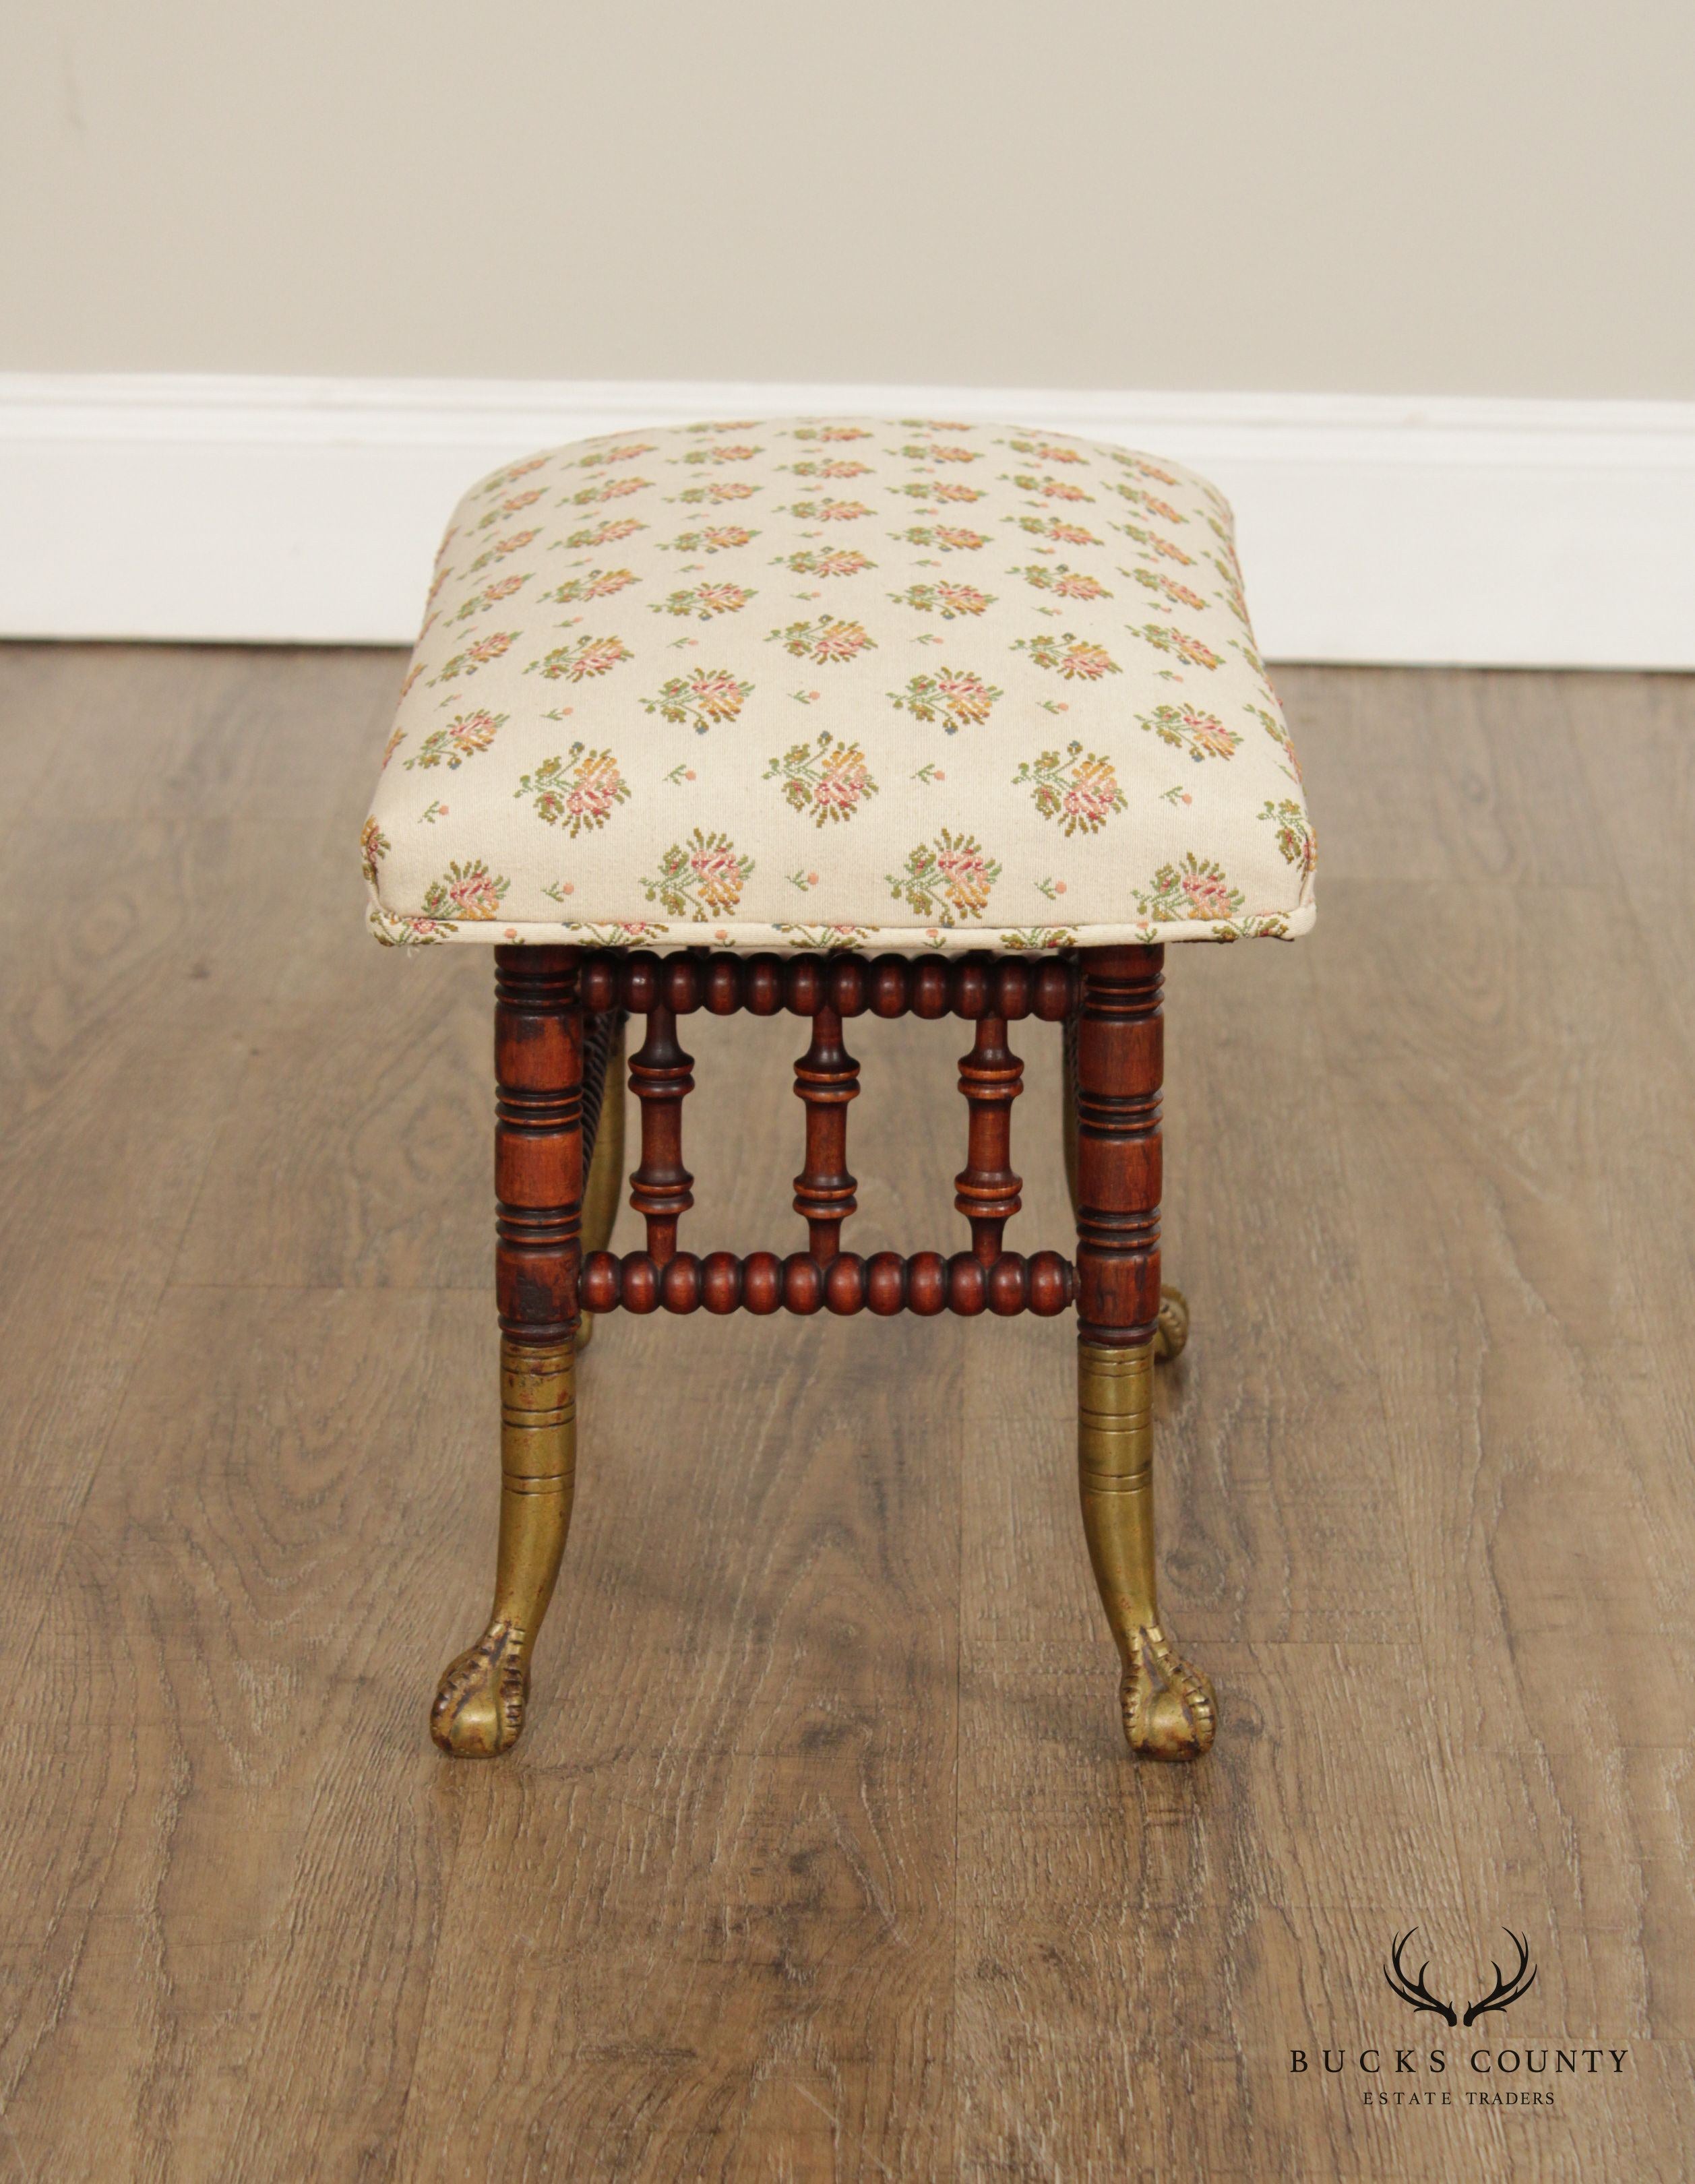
(1173, 1324)
(479, 1704)
(1169, 1709)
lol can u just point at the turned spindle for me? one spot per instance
(991, 1078)
(660, 1079)
(826, 1078)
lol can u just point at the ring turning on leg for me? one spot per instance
(479, 1708)
(1174, 1307)
(1168, 1707)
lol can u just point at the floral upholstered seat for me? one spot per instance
(840, 682)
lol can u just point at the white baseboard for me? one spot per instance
(1482, 532)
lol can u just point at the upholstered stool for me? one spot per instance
(833, 716)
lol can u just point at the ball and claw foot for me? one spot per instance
(1169, 1709)
(479, 1704)
(1173, 1324)
(1177, 1720)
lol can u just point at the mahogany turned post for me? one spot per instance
(991, 1077)
(1168, 1708)
(537, 1143)
(660, 1079)
(479, 1705)
(1120, 1047)
(826, 1078)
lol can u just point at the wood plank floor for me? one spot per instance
(822, 1858)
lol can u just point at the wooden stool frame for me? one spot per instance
(559, 1025)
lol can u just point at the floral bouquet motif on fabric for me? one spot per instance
(948, 880)
(701, 878)
(825, 782)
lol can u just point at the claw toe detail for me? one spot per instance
(1173, 1324)
(1170, 1711)
(479, 1705)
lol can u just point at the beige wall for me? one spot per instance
(1436, 196)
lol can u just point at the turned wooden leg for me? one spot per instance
(1169, 1711)
(1173, 1327)
(479, 1706)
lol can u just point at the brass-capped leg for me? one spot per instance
(1169, 1709)
(479, 1704)
(1173, 1324)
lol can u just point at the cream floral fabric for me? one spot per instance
(838, 681)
